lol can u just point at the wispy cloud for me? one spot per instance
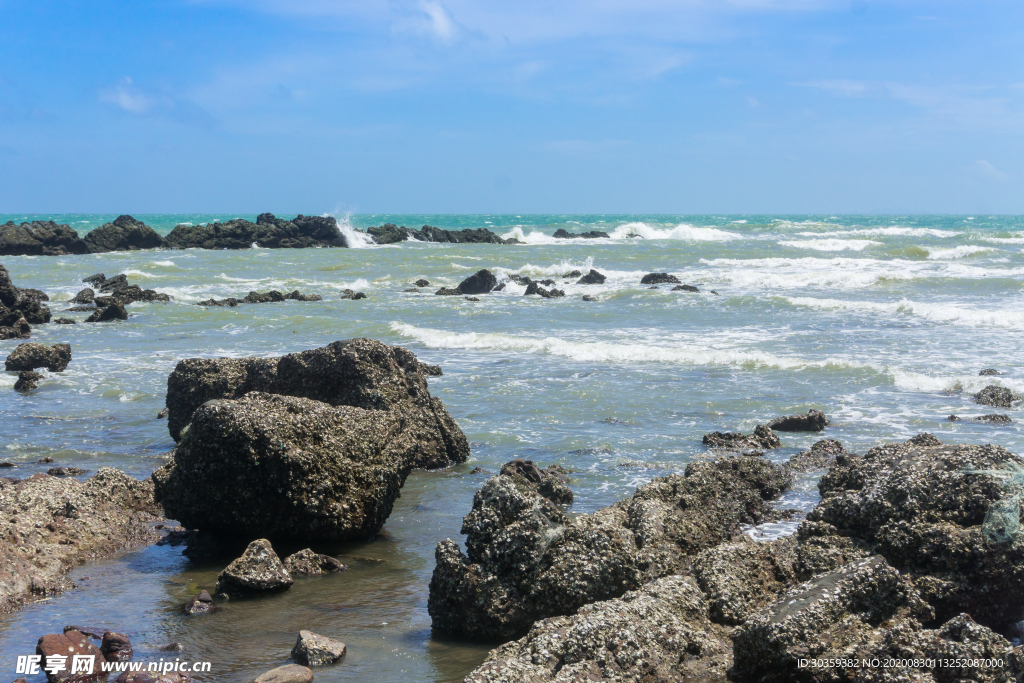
(987, 170)
(846, 88)
(128, 97)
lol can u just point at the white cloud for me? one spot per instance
(126, 96)
(440, 22)
(987, 170)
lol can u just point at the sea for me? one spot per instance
(883, 322)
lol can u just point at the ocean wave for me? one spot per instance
(693, 353)
(356, 239)
(958, 252)
(971, 384)
(934, 312)
(682, 231)
(892, 231)
(831, 244)
(1004, 240)
(164, 264)
(535, 237)
(133, 272)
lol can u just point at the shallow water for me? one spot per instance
(883, 322)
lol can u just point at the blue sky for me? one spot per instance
(741, 106)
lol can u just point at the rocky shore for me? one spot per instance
(911, 556)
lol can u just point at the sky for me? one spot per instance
(519, 106)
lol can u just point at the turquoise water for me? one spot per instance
(883, 322)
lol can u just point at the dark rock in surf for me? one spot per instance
(40, 238)
(448, 291)
(268, 232)
(114, 311)
(17, 329)
(989, 371)
(685, 288)
(587, 297)
(527, 560)
(422, 283)
(480, 282)
(992, 395)
(85, 296)
(763, 437)
(813, 421)
(258, 570)
(389, 233)
(28, 380)
(66, 471)
(263, 297)
(564, 234)
(821, 456)
(95, 280)
(571, 274)
(32, 355)
(592, 278)
(230, 302)
(535, 288)
(659, 279)
(123, 234)
(994, 418)
(354, 296)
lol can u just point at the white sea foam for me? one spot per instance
(132, 272)
(958, 252)
(934, 312)
(682, 231)
(356, 239)
(164, 264)
(534, 237)
(893, 231)
(831, 244)
(1004, 240)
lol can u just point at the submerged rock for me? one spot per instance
(813, 421)
(200, 603)
(313, 649)
(123, 234)
(308, 563)
(989, 371)
(526, 559)
(54, 524)
(659, 279)
(658, 633)
(358, 372)
(289, 673)
(32, 355)
(763, 437)
(258, 570)
(353, 295)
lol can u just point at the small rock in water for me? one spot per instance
(411, 289)
(32, 355)
(289, 673)
(422, 283)
(763, 437)
(659, 279)
(313, 649)
(591, 278)
(476, 470)
(27, 380)
(587, 297)
(349, 294)
(813, 421)
(479, 282)
(172, 647)
(45, 461)
(685, 288)
(65, 321)
(573, 273)
(989, 371)
(163, 413)
(114, 311)
(5, 464)
(201, 603)
(66, 471)
(308, 563)
(447, 291)
(472, 298)
(91, 631)
(996, 396)
(86, 296)
(258, 569)
(116, 647)
(69, 644)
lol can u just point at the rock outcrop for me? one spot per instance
(32, 355)
(813, 421)
(358, 372)
(762, 438)
(947, 517)
(659, 279)
(258, 570)
(268, 232)
(40, 238)
(564, 234)
(479, 282)
(658, 633)
(313, 649)
(50, 524)
(527, 560)
(592, 278)
(992, 395)
(123, 234)
(20, 308)
(308, 563)
(113, 311)
(389, 233)
(27, 380)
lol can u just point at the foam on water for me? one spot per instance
(831, 244)
(935, 312)
(356, 239)
(682, 231)
(959, 252)
(534, 237)
(892, 231)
